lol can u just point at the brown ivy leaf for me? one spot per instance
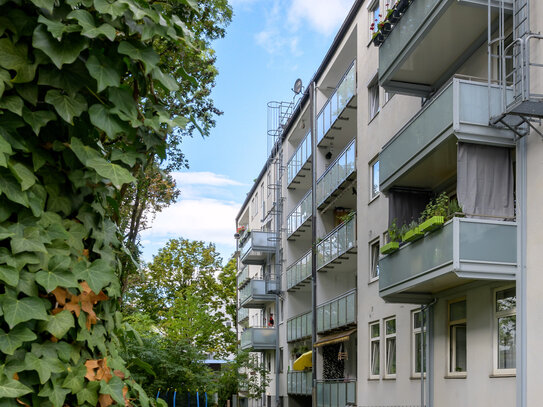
(126, 399)
(15, 376)
(105, 400)
(91, 365)
(61, 295)
(119, 374)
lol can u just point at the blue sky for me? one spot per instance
(267, 46)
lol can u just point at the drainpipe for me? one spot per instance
(521, 273)
(426, 353)
(313, 241)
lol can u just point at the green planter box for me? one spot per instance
(431, 224)
(390, 248)
(412, 235)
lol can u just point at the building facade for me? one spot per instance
(394, 230)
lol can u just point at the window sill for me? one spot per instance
(373, 280)
(500, 375)
(416, 377)
(374, 198)
(374, 379)
(456, 376)
(374, 116)
(390, 377)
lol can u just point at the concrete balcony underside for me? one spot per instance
(464, 250)
(257, 247)
(423, 153)
(432, 40)
(257, 339)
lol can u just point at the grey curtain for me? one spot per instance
(485, 181)
(406, 205)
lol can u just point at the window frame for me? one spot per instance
(374, 257)
(387, 374)
(373, 98)
(450, 340)
(414, 332)
(374, 6)
(374, 195)
(496, 315)
(377, 340)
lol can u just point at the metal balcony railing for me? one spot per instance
(337, 313)
(299, 158)
(258, 338)
(243, 276)
(299, 327)
(300, 214)
(337, 242)
(299, 383)
(336, 393)
(243, 314)
(299, 271)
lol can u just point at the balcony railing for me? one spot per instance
(299, 158)
(339, 241)
(299, 383)
(243, 314)
(256, 294)
(299, 327)
(337, 174)
(299, 215)
(337, 103)
(243, 276)
(257, 246)
(336, 393)
(300, 271)
(463, 250)
(258, 338)
(338, 313)
(460, 109)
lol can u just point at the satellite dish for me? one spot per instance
(297, 86)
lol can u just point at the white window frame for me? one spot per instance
(374, 259)
(497, 315)
(372, 8)
(375, 340)
(373, 100)
(390, 338)
(414, 333)
(451, 339)
(373, 194)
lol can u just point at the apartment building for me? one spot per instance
(389, 246)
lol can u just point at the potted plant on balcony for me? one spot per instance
(434, 214)
(392, 14)
(402, 5)
(413, 233)
(394, 236)
(385, 27)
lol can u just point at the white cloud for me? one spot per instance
(204, 178)
(324, 16)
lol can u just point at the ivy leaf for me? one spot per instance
(12, 340)
(104, 120)
(36, 199)
(46, 4)
(114, 388)
(89, 28)
(28, 92)
(60, 53)
(83, 152)
(25, 309)
(141, 53)
(11, 188)
(9, 275)
(12, 103)
(115, 173)
(56, 28)
(167, 82)
(66, 106)
(60, 324)
(37, 119)
(125, 107)
(16, 57)
(89, 394)
(75, 378)
(22, 244)
(41, 365)
(57, 274)
(103, 72)
(97, 275)
(10, 388)
(56, 393)
(25, 177)
(114, 8)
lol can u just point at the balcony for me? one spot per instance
(339, 109)
(337, 246)
(300, 162)
(464, 250)
(337, 314)
(243, 276)
(299, 383)
(431, 42)
(257, 339)
(339, 174)
(336, 393)
(256, 247)
(299, 273)
(256, 294)
(300, 218)
(299, 327)
(243, 315)
(423, 153)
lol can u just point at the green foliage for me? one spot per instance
(84, 108)
(441, 206)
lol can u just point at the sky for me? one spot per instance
(268, 45)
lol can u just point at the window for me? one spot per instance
(388, 96)
(374, 192)
(375, 345)
(373, 99)
(390, 347)
(374, 17)
(418, 343)
(374, 260)
(457, 336)
(506, 329)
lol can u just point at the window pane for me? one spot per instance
(375, 358)
(506, 299)
(457, 310)
(374, 329)
(390, 326)
(375, 260)
(375, 179)
(458, 348)
(417, 320)
(418, 362)
(391, 355)
(507, 328)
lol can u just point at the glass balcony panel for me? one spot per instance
(351, 308)
(326, 310)
(339, 241)
(334, 400)
(326, 394)
(336, 173)
(299, 158)
(333, 315)
(342, 312)
(351, 392)
(320, 395)
(334, 111)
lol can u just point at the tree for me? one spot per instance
(83, 113)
